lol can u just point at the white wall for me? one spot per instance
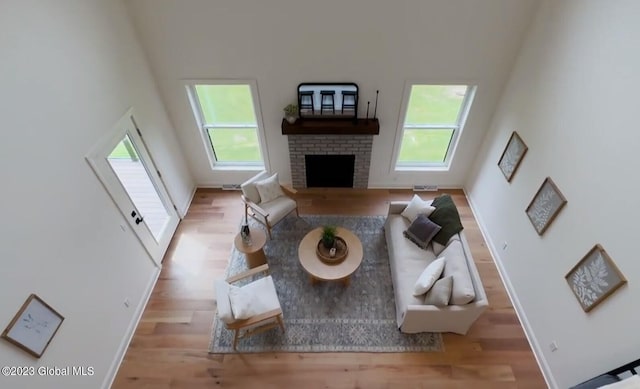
(69, 70)
(377, 44)
(572, 98)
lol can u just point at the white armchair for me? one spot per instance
(253, 308)
(266, 200)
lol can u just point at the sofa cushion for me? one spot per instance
(440, 292)
(456, 266)
(446, 216)
(417, 206)
(438, 248)
(421, 231)
(428, 277)
(269, 189)
(407, 262)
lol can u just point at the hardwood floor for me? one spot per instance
(169, 348)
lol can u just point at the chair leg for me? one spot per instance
(297, 214)
(235, 339)
(269, 230)
(281, 322)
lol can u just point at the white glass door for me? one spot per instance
(127, 171)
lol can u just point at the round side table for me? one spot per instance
(253, 253)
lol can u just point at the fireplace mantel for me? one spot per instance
(331, 127)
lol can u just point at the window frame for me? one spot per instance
(202, 127)
(457, 127)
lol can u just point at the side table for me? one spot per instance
(253, 253)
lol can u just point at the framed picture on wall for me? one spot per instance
(545, 206)
(33, 327)
(594, 278)
(512, 155)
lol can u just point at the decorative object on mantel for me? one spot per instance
(594, 278)
(33, 327)
(545, 206)
(512, 155)
(291, 113)
(375, 108)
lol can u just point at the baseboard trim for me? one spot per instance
(531, 338)
(185, 207)
(124, 345)
(410, 187)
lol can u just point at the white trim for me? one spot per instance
(190, 84)
(457, 128)
(410, 187)
(513, 297)
(185, 206)
(126, 340)
(97, 160)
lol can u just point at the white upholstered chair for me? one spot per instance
(266, 200)
(250, 309)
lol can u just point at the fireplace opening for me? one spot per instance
(330, 171)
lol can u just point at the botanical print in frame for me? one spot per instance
(594, 278)
(512, 156)
(545, 206)
(33, 327)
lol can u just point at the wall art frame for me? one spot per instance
(594, 278)
(545, 206)
(33, 326)
(512, 156)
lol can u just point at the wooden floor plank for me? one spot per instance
(169, 348)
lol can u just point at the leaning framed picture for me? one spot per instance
(594, 278)
(512, 155)
(33, 327)
(545, 206)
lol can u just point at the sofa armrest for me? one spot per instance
(452, 318)
(396, 207)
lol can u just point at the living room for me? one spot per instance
(548, 71)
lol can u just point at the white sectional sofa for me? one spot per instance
(407, 262)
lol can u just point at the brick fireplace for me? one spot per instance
(357, 145)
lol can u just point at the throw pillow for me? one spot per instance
(269, 189)
(421, 231)
(440, 292)
(446, 216)
(415, 207)
(428, 277)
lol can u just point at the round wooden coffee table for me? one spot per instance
(320, 271)
(254, 253)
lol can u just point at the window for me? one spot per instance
(226, 114)
(434, 118)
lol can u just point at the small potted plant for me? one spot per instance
(328, 236)
(291, 113)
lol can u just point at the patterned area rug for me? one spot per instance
(327, 316)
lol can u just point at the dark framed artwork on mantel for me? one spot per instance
(328, 100)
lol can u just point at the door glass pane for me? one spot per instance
(134, 177)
